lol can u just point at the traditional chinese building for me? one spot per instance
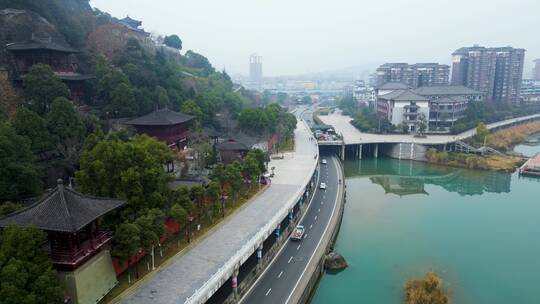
(60, 58)
(78, 248)
(166, 125)
(111, 38)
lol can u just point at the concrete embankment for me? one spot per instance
(315, 268)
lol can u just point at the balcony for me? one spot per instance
(71, 259)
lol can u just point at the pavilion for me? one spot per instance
(59, 57)
(78, 248)
(166, 125)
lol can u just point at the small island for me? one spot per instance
(426, 291)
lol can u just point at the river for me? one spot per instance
(479, 230)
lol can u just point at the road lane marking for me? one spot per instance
(298, 248)
(315, 217)
(290, 260)
(310, 226)
(279, 275)
(268, 292)
(305, 235)
(319, 210)
(318, 244)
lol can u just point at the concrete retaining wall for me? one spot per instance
(411, 151)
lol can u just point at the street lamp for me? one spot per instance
(223, 198)
(190, 219)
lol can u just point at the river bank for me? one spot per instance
(503, 140)
(501, 163)
(506, 139)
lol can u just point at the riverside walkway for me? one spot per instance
(192, 277)
(353, 136)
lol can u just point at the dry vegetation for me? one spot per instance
(425, 291)
(507, 138)
(471, 161)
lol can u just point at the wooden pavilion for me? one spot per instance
(78, 248)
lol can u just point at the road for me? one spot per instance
(279, 280)
(211, 259)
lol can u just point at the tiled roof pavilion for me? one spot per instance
(62, 210)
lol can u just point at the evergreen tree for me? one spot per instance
(26, 274)
(41, 87)
(19, 173)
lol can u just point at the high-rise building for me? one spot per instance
(497, 72)
(536, 70)
(415, 75)
(255, 70)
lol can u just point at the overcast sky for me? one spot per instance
(301, 36)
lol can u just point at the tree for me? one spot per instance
(179, 215)
(67, 131)
(482, 133)
(421, 123)
(129, 169)
(41, 87)
(26, 274)
(253, 121)
(151, 228)
(9, 207)
(197, 197)
(192, 108)
(19, 173)
(123, 101)
(126, 243)
(29, 124)
(348, 104)
(212, 195)
(233, 173)
(173, 41)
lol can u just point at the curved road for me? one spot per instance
(278, 281)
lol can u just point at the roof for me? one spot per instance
(393, 86)
(39, 45)
(452, 99)
(232, 145)
(62, 210)
(445, 90)
(161, 117)
(403, 95)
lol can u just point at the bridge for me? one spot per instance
(401, 146)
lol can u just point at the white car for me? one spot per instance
(323, 186)
(323, 161)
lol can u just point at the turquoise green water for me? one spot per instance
(479, 230)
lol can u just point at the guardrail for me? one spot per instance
(210, 286)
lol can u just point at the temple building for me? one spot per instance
(166, 125)
(78, 248)
(111, 38)
(60, 58)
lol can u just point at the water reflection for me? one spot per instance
(410, 177)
